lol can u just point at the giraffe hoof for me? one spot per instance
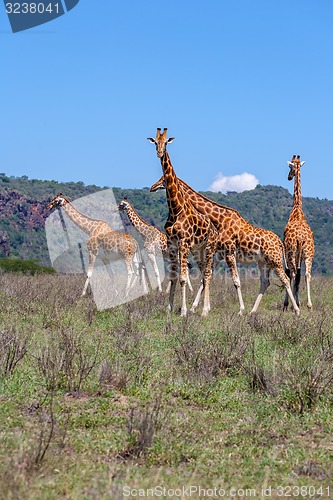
(241, 312)
(309, 307)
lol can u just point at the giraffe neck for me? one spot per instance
(297, 203)
(174, 196)
(80, 220)
(140, 225)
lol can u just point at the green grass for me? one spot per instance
(92, 402)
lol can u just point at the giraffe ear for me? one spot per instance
(302, 163)
(170, 140)
(290, 163)
(150, 139)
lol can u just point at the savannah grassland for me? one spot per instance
(91, 402)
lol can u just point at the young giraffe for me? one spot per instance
(154, 240)
(101, 235)
(298, 236)
(240, 241)
(187, 230)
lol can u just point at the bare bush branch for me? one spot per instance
(13, 348)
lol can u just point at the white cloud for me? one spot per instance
(238, 183)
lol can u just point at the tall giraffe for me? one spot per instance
(298, 236)
(187, 230)
(240, 241)
(102, 236)
(154, 240)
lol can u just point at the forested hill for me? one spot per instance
(23, 213)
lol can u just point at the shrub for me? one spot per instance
(24, 266)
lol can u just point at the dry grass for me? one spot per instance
(94, 401)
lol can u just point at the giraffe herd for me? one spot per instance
(199, 226)
(105, 239)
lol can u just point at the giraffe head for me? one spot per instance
(294, 165)
(160, 141)
(124, 205)
(57, 202)
(160, 184)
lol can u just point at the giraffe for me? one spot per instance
(298, 236)
(154, 240)
(102, 236)
(187, 230)
(240, 241)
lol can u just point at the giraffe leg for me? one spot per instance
(92, 259)
(231, 262)
(293, 274)
(167, 290)
(143, 272)
(167, 267)
(308, 280)
(286, 282)
(208, 271)
(205, 263)
(188, 276)
(201, 287)
(188, 280)
(173, 255)
(106, 263)
(129, 278)
(286, 298)
(197, 297)
(296, 285)
(264, 284)
(292, 258)
(130, 273)
(183, 254)
(135, 267)
(152, 258)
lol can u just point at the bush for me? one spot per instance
(24, 266)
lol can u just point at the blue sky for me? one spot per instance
(241, 84)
